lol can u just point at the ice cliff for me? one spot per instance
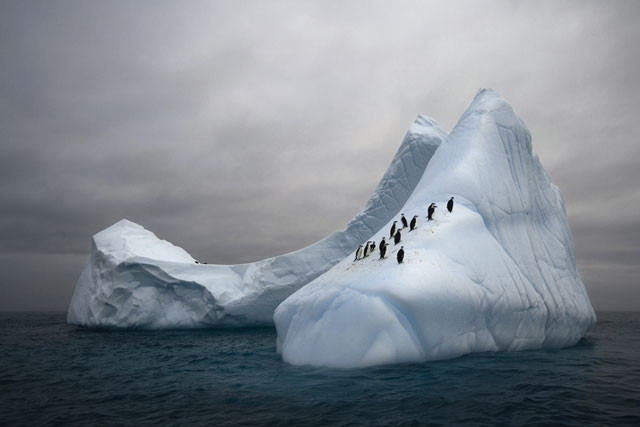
(498, 273)
(132, 279)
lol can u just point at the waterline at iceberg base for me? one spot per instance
(496, 274)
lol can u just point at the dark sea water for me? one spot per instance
(55, 374)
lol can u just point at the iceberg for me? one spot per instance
(132, 279)
(498, 273)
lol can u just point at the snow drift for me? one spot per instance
(498, 273)
(132, 279)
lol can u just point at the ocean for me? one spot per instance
(55, 374)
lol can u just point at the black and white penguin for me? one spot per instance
(397, 237)
(450, 204)
(393, 230)
(383, 248)
(404, 221)
(367, 247)
(400, 255)
(414, 222)
(358, 253)
(431, 210)
(372, 247)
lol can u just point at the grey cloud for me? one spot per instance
(242, 130)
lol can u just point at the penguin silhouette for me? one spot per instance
(400, 256)
(450, 204)
(404, 221)
(367, 247)
(393, 230)
(358, 253)
(414, 221)
(431, 211)
(397, 237)
(383, 248)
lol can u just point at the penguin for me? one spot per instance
(397, 237)
(393, 230)
(400, 256)
(383, 248)
(414, 221)
(367, 247)
(404, 221)
(373, 247)
(450, 204)
(358, 253)
(431, 211)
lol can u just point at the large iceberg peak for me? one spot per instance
(498, 273)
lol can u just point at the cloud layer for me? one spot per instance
(241, 130)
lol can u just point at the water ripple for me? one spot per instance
(54, 374)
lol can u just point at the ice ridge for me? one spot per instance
(132, 279)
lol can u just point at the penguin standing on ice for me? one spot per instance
(400, 256)
(372, 247)
(393, 230)
(367, 247)
(358, 253)
(404, 221)
(430, 211)
(414, 221)
(450, 204)
(383, 248)
(397, 237)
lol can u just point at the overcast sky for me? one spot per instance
(241, 130)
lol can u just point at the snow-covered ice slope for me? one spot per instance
(498, 273)
(132, 279)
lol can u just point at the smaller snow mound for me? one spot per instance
(126, 239)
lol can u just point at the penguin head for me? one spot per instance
(451, 197)
(415, 216)
(401, 247)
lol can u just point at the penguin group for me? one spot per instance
(396, 234)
